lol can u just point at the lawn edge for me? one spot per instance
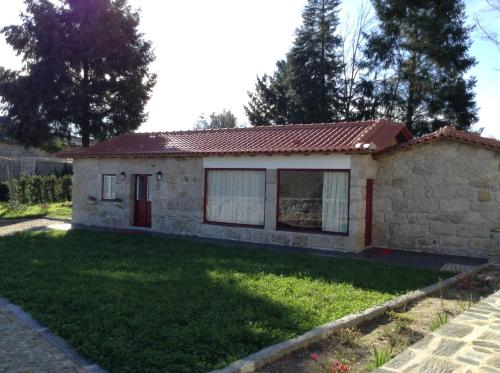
(272, 353)
(45, 333)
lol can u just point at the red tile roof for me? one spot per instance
(449, 133)
(346, 137)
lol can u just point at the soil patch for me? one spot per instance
(392, 333)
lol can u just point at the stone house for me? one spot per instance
(344, 186)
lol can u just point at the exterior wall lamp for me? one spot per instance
(159, 176)
(122, 176)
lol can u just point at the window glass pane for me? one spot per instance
(149, 188)
(140, 188)
(236, 196)
(112, 185)
(108, 187)
(300, 199)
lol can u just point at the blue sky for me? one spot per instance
(209, 53)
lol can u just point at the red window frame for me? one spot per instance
(205, 193)
(312, 230)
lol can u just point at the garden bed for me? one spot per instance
(357, 349)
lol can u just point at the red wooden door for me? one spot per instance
(142, 201)
(369, 212)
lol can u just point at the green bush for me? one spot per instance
(43, 189)
(4, 192)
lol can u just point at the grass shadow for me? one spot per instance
(139, 303)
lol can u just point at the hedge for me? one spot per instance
(4, 192)
(43, 189)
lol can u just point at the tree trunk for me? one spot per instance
(410, 108)
(85, 122)
(85, 133)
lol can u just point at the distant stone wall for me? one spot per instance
(37, 161)
(42, 167)
(178, 202)
(442, 197)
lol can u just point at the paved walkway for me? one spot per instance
(25, 344)
(23, 349)
(469, 343)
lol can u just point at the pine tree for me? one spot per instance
(314, 63)
(86, 70)
(304, 87)
(421, 50)
(270, 102)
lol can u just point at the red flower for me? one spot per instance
(314, 356)
(344, 368)
(335, 366)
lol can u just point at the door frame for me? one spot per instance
(147, 202)
(369, 212)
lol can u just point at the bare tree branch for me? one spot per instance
(493, 37)
(352, 56)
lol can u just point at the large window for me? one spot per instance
(108, 187)
(235, 196)
(314, 200)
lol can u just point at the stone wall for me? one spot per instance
(442, 197)
(36, 161)
(177, 202)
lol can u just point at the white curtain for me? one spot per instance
(236, 196)
(108, 191)
(335, 202)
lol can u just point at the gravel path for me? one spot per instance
(8, 228)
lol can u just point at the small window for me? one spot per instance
(235, 197)
(108, 187)
(314, 200)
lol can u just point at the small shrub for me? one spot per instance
(401, 320)
(325, 364)
(15, 206)
(44, 207)
(349, 336)
(465, 304)
(438, 321)
(380, 357)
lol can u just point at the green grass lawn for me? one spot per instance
(51, 210)
(138, 303)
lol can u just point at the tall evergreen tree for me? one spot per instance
(270, 102)
(86, 70)
(314, 63)
(421, 50)
(305, 86)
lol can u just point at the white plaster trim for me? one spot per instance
(313, 161)
(275, 352)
